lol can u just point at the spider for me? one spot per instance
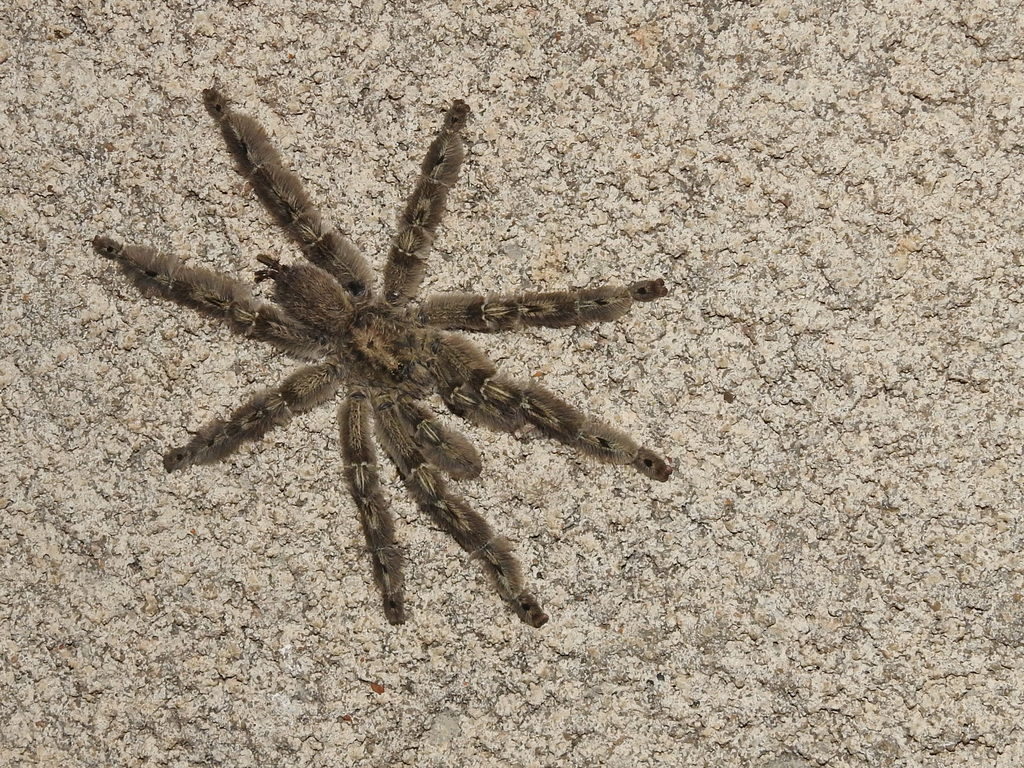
(385, 356)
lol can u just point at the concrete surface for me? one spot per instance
(832, 577)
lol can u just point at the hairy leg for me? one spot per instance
(302, 391)
(212, 294)
(472, 388)
(473, 312)
(453, 515)
(283, 195)
(447, 450)
(378, 523)
(424, 209)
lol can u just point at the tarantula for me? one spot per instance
(385, 355)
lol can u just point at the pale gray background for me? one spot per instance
(832, 577)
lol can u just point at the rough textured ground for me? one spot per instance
(832, 577)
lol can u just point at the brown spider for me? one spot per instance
(386, 356)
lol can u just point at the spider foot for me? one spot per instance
(648, 290)
(457, 115)
(651, 464)
(394, 610)
(107, 247)
(529, 610)
(216, 103)
(177, 459)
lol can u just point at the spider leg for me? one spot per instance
(282, 194)
(212, 294)
(378, 523)
(471, 387)
(473, 312)
(447, 450)
(424, 209)
(302, 391)
(451, 513)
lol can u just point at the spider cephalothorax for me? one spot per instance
(386, 357)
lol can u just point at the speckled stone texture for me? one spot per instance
(832, 577)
